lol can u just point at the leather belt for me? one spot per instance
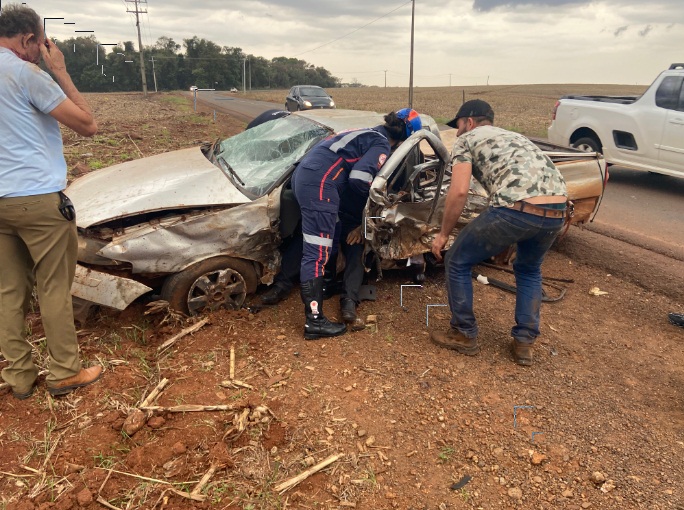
(529, 208)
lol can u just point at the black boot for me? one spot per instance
(349, 316)
(348, 309)
(274, 295)
(317, 325)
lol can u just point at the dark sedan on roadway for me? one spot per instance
(308, 97)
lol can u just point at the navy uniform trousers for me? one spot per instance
(346, 162)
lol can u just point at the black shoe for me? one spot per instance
(317, 325)
(274, 295)
(348, 309)
(677, 319)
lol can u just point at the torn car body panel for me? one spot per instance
(106, 289)
(170, 245)
(401, 222)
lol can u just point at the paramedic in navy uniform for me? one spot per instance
(347, 161)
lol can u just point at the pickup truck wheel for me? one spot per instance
(219, 282)
(587, 144)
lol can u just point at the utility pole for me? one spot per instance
(249, 61)
(154, 75)
(413, 17)
(450, 79)
(385, 78)
(244, 77)
(140, 46)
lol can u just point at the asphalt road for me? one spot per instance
(643, 209)
(234, 104)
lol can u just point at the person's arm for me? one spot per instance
(454, 204)
(74, 112)
(364, 170)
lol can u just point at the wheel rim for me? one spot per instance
(216, 289)
(585, 147)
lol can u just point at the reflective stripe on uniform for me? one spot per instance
(317, 240)
(346, 139)
(362, 176)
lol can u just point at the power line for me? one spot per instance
(355, 30)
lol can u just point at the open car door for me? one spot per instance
(406, 200)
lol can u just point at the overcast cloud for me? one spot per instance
(458, 42)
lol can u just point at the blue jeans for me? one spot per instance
(490, 234)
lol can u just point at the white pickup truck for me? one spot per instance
(644, 133)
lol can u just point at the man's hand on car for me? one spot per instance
(355, 236)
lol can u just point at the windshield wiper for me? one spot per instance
(232, 172)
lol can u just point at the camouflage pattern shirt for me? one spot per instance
(508, 165)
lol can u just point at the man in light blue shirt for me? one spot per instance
(38, 241)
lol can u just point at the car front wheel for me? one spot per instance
(219, 282)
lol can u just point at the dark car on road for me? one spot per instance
(308, 97)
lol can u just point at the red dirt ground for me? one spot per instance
(596, 422)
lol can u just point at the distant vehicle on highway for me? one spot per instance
(193, 88)
(308, 97)
(233, 89)
(643, 133)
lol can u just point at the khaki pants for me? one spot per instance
(37, 242)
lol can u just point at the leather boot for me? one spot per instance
(522, 353)
(348, 309)
(349, 315)
(456, 341)
(274, 295)
(85, 377)
(317, 325)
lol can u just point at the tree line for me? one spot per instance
(97, 68)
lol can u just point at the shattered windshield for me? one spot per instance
(257, 158)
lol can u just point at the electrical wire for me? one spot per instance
(355, 30)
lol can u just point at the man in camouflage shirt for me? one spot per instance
(527, 196)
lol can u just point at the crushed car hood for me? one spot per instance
(173, 180)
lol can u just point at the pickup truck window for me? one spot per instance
(667, 95)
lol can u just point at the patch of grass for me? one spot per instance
(104, 461)
(445, 454)
(137, 334)
(147, 369)
(96, 164)
(263, 497)
(177, 100)
(218, 491)
(111, 342)
(198, 119)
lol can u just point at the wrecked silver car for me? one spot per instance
(202, 226)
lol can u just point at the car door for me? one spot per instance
(670, 95)
(291, 101)
(406, 201)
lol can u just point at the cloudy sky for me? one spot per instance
(458, 42)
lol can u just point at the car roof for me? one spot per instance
(341, 120)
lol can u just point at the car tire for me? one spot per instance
(587, 144)
(218, 282)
